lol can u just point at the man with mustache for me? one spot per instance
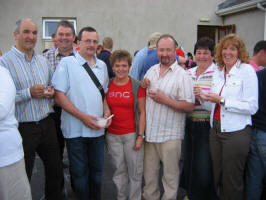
(65, 36)
(31, 74)
(170, 96)
(82, 105)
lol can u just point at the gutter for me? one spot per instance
(260, 7)
(241, 7)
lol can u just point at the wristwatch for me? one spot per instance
(222, 101)
(143, 136)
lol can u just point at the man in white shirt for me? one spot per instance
(170, 96)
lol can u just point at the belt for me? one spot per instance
(36, 122)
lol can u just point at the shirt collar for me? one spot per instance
(57, 53)
(21, 54)
(82, 61)
(235, 67)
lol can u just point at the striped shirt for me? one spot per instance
(163, 122)
(54, 56)
(204, 81)
(25, 75)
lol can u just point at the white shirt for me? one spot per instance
(163, 122)
(11, 149)
(241, 96)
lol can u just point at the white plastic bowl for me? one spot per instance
(102, 122)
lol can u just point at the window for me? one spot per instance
(49, 25)
(225, 30)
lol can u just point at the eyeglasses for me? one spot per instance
(90, 41)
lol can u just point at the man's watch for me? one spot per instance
(139, 135)
(222, 101)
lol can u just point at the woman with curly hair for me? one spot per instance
(234, 97)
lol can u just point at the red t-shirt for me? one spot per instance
(121, 102)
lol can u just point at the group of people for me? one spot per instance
(59, 98)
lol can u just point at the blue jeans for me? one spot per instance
(197, 177)
(256, 166)
(86, 158)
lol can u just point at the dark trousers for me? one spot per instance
(56, 115)
(229, 152)
(197, 176)
(41, 137)
(86, 159)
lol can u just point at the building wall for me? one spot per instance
(128, 22)
(249, 25)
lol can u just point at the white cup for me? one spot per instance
(102, 122)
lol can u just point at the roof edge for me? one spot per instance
(240, 7)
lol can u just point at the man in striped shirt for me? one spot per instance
(31, 74)
(170, 96)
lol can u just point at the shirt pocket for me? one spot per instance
(234, 87)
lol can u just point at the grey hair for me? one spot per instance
(18, 24)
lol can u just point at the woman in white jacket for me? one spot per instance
(234, 97)
(14, 184)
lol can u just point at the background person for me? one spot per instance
(258, 60)
(105, 54)
(65, 35)
(234, 98)
(125, 136)
(256, 165)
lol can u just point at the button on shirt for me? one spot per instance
(26, 74)
(241, 96)
(165, 123)
(72, 79)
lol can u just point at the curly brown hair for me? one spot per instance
(236, 41)
(120, 55)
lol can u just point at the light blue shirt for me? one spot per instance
(137, 64)
(73, 80)
(25, 74)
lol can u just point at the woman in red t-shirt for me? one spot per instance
(126, 100)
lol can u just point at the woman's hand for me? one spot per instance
(138, 143)
(109, 122)
(145, 83)
(213, 97)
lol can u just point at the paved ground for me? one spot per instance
(108, 187)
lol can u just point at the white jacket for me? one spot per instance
(241, 96)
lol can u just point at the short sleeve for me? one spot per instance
(60, 79)
(141, 92)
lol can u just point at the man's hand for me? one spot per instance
(89, 121)
(49, 92)
(145, 83)
(37, 91)
(157, 96)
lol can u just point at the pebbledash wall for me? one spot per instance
(128, 22)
